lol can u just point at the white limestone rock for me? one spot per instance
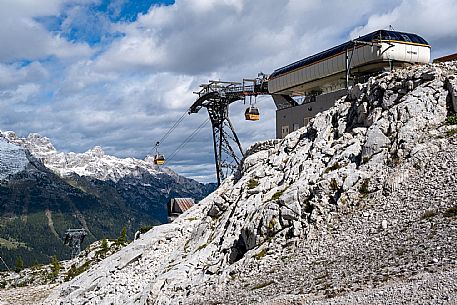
(376, 140)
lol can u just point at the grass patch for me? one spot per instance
(262, 285)
(75, 271)
(252, 183)
(451, 212)
(203, 246)
(277, 195)
(145, 229)
(451, 132)
(335, 166)
(271, 224)
(343, 200)
(192, 218)
(261, 254)
(451, 120)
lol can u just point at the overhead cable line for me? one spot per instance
(188, 139)
(172, 128)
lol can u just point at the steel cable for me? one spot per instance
(187, 140)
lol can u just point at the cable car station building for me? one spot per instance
(325, 77)
(318, 80)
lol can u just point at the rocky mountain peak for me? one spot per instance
(38, 141)
(96, 151)
(93, 163)
(288, 224)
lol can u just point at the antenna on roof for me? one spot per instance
(391, 28)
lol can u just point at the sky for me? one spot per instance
(119, 73)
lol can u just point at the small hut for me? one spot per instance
(177, 206)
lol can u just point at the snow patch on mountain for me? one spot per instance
(13, 159)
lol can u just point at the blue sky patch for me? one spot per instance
(92, 23)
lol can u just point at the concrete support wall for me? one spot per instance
(293, 118)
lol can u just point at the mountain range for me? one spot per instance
(44, 192)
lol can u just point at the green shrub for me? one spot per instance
(75, 271)
(203, 246)
(277, 195)
(145, 229)
(104, 245)
(451, 120)
(104, 248)
(19, 264)
(122, 239)
(271, 224)
(335, 166)
(451, 132)
(252, 183)
(261, 254)
(55, 268)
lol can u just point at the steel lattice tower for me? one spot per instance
(74, 239)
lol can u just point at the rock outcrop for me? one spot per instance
(364, 196)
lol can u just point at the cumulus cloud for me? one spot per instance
(434, 20)
(127, 89)
(24, 38)
(13, 75)
(202, 36)
(19, 95)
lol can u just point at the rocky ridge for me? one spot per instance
(93, 163)
(361, 198)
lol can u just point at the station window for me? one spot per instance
(284, 130)
(306, 121)
(296, 126)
